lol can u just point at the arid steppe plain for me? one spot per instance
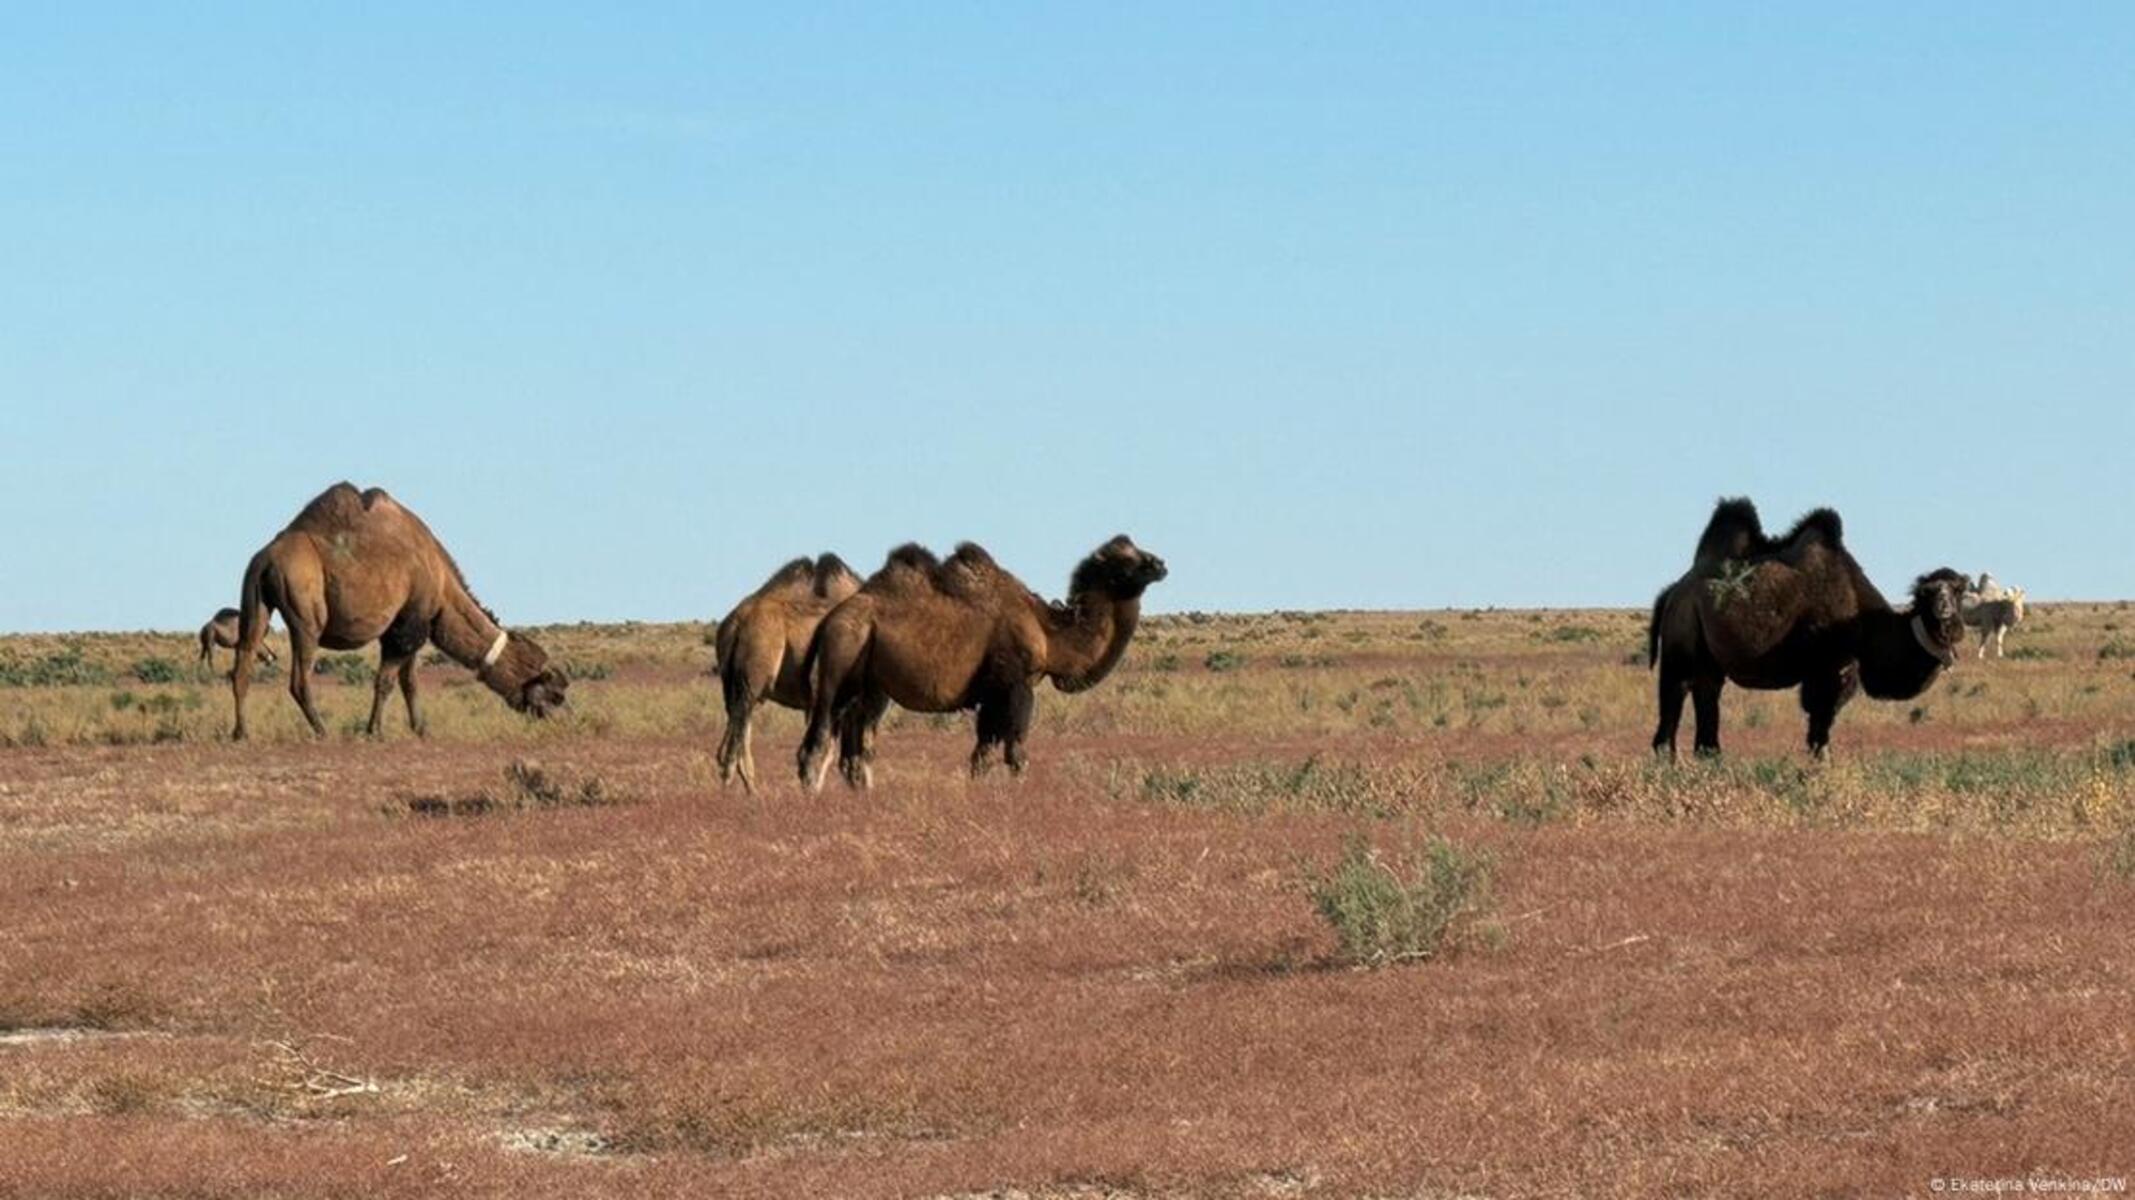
(556, 959)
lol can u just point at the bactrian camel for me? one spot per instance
(941, 636)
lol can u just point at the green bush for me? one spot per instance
(1223, 660)
(1385, 912)
(351, 669)
(67, 667)
(155, 670)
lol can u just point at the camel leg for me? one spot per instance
(1673, 688)
(381, 687)
(1705, 698)
(407, 693)
(1022, 706)
(2000, 632)
(840, 661)
(860, 724)
(240, 683)
(301, 649)
(207, 643)
(241, 670)
(736, 756)
(993, 733)
(1821, 698)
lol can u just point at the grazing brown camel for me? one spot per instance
(1792, 611)
(762, 645)
(221, 630)
(939, 636)
(355, 568)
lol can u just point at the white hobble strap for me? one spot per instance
(496, 651)
(1943, 654)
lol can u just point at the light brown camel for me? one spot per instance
(355, 568)
(1795, 610)
(939, 636)
(762, 645)
(221, 630)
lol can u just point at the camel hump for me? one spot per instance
(973, 556)
(1734, 532)
(1822, 524)
(373, 497)
(914, 557)
(829, 572)
(796, 571)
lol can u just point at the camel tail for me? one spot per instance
(723, 640)
(252, 614)
(1653, 629)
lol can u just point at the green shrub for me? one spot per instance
(2115, 648)
(1223, 660)
(155, 670)
(351, 669)
(1385, 913)
(67, 667)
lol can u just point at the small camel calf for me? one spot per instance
(1993, 610)
(221, 630)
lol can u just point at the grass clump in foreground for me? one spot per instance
(1424, 907)
(527, 786)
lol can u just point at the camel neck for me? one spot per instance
(463, 631)
(1091, 640)
(1896, 661)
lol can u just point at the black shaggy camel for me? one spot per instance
(941, 636)
(221, 630)
(1793, 611)
(762, 645)
(355, 568)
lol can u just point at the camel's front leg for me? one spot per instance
(861, 723)
(1022, 707)
(1705, 699)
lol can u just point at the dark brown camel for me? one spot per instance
(762, 645)
(1787, 612)
(221, 630)
(939, 636)
(355, 568)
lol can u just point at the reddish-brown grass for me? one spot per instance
(288, 986)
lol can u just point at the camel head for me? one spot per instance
(526, 679)
(1938, 607)
(1118, 569)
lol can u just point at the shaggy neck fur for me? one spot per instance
(1088, 637)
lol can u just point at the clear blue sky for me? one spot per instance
(1332, 305)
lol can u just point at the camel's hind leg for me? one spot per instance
(207, 645)
(302, 646)
(735, 754)
(840, 664)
